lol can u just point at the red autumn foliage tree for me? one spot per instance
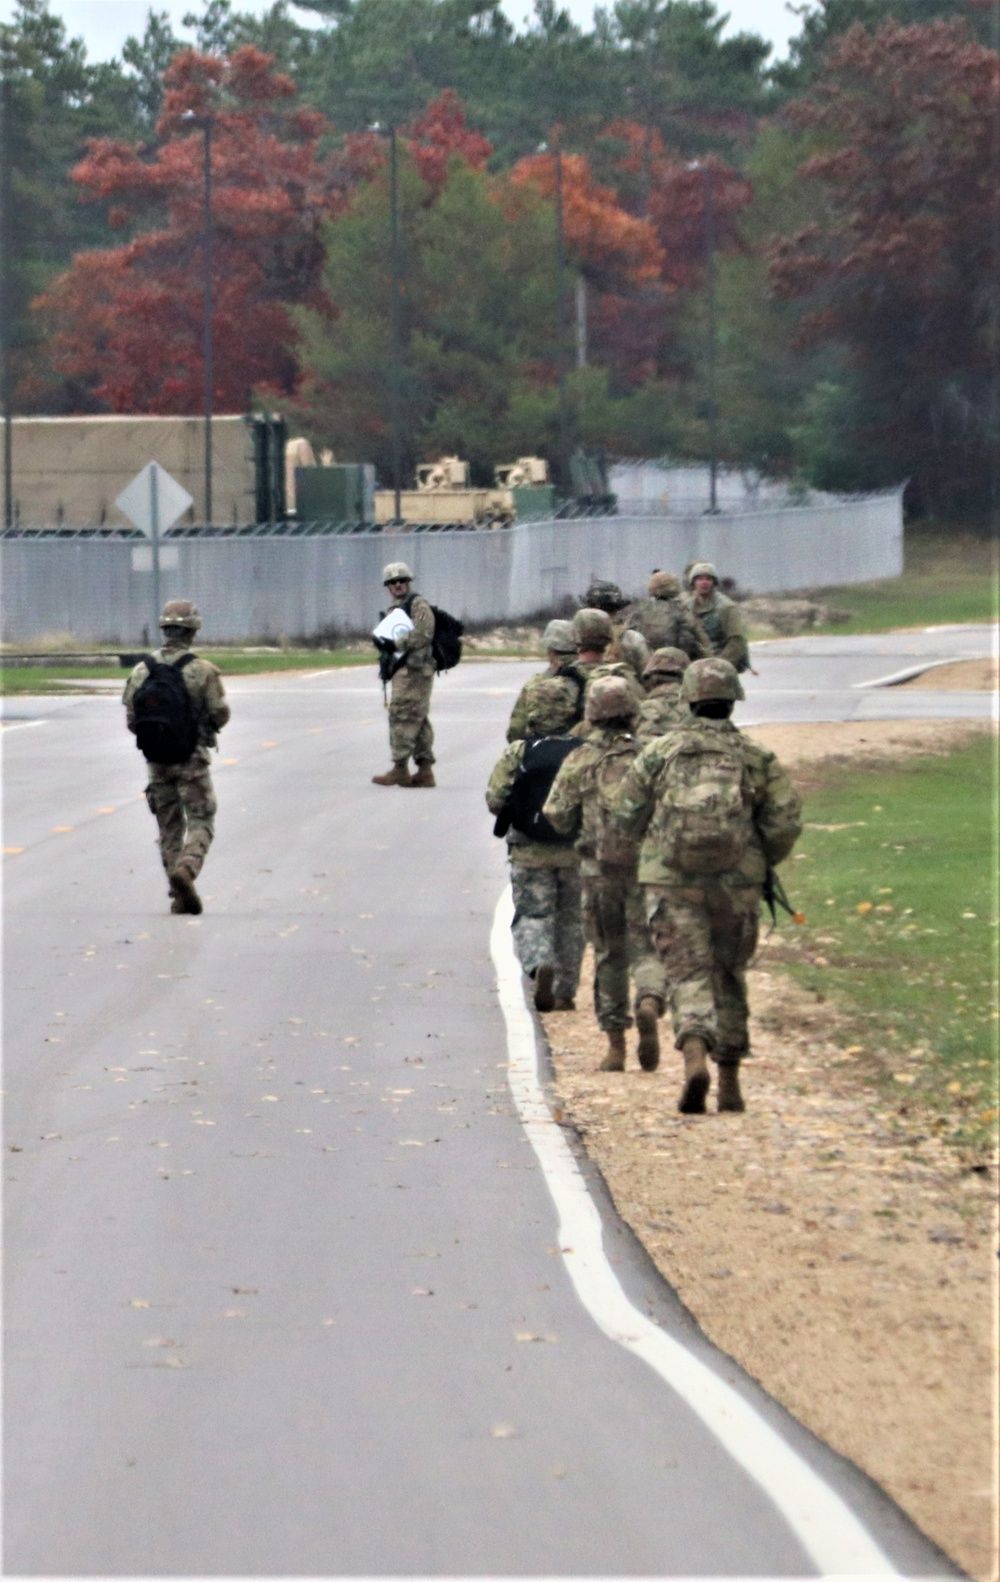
(612, 247)
(128, 321)
(442, 134)
(904, 272)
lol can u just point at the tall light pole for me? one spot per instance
(206, 123)
(6, 301)
(564, 458)
(395, 325)
(713, 411)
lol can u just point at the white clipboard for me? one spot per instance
(393, 626)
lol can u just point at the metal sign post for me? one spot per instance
(154, 501)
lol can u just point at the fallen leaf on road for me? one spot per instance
(139, 1301)
(420, 1290)
(504, 1431)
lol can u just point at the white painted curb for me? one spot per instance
(825, 1526)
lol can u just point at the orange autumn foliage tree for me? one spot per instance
(610, 246)
(127, 322)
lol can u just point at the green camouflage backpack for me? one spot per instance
(612, 845)
(709, 817)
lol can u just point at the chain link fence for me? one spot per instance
(323, 580)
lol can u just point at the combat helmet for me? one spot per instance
(666, 662)
(663, 585)
(551, 705)
(396, 571)
(708, 679)
(180, 614)
(592, 628)
(702, 568)
(558, 638)
(604, 596)
(610, 698)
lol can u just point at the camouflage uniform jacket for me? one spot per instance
(204, 683)
(524, 853)
(643, 810)
(662, 711)
(594, 669)
(667, 623)
(416, 645)
(576, 808)
(517, 730)
(723, 622)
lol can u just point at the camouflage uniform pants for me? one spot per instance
(181, 798)
(410, 730)
(548, 924)
(615, 913)
(705, 934)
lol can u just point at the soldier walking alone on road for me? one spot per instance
(175, 705)
(716, 813)
(613, 901)
(410, 731)
(544, 868)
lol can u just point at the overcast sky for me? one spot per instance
(106, 24)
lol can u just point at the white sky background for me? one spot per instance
(104, 25)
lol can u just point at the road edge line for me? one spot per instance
(832, 1536)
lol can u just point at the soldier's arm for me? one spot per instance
(777, 811)
(216, 707)
(632, 805)
(131, 687)
(517, 730)
(564, 803)
(502, 778)
(418, 641)
(736, 648)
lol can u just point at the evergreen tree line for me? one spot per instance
(607, 238)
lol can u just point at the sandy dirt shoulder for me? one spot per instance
(862, 1249)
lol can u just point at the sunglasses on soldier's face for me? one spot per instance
(397, 582)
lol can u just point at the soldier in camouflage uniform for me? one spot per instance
(665, 622)
(181, 796)
(410, 729)
(720, 616)
(699, 797)
(664, 708)
(626, 644)
(545, 876)
(594, 636)
(560, 646)
(613, 901)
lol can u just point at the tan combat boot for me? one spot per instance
(398, 775)
(696, 1076)
(729, 1096)
(544, 998)
(614, 1060)
(182, 880)
(647, 1014)
(424, 776)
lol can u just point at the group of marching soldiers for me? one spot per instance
(637, 816)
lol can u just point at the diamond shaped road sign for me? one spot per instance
(153, 500)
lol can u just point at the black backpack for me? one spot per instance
(166, 731)
(446, 644)
(522, 811)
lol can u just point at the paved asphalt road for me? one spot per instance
(285, 1292)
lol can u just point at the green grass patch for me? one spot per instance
(39, 680)
(947, 578)
(896, 875)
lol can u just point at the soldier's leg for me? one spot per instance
(569, 934)
(406, 714)
(682, 934)
(736, 928)
(647, 977)
(164, 802)
(198, 796)
(609, 938)
(534, 924)
(423, 741)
